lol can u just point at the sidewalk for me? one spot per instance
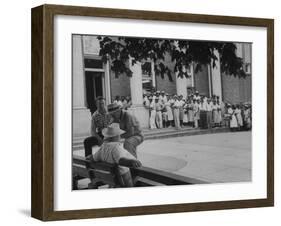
(219, 157)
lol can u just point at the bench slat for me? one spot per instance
(80, 171)
(164, 177)
(105, 177)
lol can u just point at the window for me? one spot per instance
(147, 78)
(248, 68)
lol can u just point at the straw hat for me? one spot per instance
(111, 108)
(112, 130)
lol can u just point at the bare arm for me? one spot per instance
(129, 162)
(94, 132)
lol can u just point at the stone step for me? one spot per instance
(162, 133)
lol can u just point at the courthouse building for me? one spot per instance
(92, 78)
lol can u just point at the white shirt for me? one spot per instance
(209, 107)
(119, 102)
(112, 152)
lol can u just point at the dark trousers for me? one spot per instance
(90, 142)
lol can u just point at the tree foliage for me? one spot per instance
(182, 52)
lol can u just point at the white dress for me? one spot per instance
(233, 120)
(237, 112)
(185, 117)
(169, 110)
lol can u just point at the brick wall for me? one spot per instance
(119, 86)
(164, 83)
(235, 89)
(201, 81)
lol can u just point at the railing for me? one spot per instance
(144, 176)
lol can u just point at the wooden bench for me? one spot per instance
(98, 172)
(105, 173)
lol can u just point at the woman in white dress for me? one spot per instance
(169, 111)
(152, 115)
(233, 119)
(196, 112)
(215, 113)
(176, 112)
(185, 116)
(190, 113)
(238, 115)
(219, 108)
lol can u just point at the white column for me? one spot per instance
(107, 83)
(153, 74)
(78, 73)
(137, 108)
(136, 83)
(181, 85)
(216, 76)
(81, 115)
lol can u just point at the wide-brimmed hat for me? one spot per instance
(112, 130)
(111, 108)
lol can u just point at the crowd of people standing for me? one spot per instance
(195, 110)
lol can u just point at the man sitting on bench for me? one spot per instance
(112, 151)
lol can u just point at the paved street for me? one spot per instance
(222, 157)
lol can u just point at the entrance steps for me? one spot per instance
(161, 134)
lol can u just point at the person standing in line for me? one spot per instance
(159, 108)
(129, 123)
(162, 97)
(176, 112)
(169, 111)
(190, 112)
(185, 112)
(181, 113)
(219, 109)
(118, 101)
(152, 108)
(247, 117)
(233, 120)
(100, 120)
(215, 113)
(196, 113)
(238, 115)
(124, 102)
(209, 113)
(172, 102)
(196, 96)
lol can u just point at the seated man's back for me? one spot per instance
(112, 152)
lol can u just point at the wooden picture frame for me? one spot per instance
(43, 112)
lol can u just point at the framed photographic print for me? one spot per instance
(141, 112)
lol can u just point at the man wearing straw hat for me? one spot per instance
(112, 152)
(133, 135)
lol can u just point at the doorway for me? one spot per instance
(94, 88)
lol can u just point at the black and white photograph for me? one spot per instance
(158, 112)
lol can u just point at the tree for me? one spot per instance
(182, 52)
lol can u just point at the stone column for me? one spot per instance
(137, 107)
(216, 77)
(107, 83)
(81, 115)
(181, 85)
(153, 75)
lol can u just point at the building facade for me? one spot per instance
(92, 78)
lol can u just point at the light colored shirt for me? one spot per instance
(130, 124)
(209, 107)
(112, 152)
(119, 102)
(177, 104)
(100, 121)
